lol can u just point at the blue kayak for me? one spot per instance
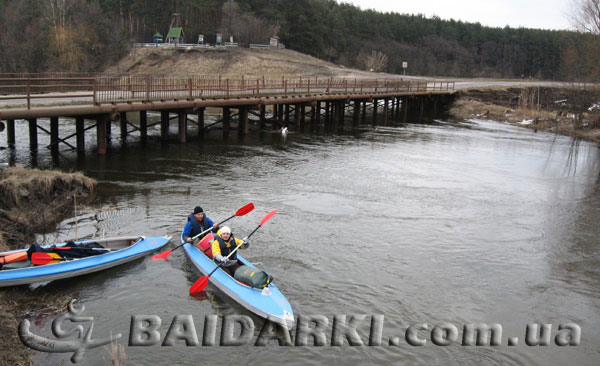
(121, 250)
(268, 303)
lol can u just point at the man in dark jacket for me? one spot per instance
(197, 223)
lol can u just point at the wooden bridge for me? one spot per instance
(107, 99)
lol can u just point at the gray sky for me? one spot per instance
(545, 14)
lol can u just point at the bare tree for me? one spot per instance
(376, 61)
(585, 15)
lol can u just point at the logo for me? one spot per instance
(83, 338)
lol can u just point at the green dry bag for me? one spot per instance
(253, 277)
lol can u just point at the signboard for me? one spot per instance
(404, 65)
(200, 39)
(219, 38)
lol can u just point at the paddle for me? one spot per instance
(39, 258)
(201, 283)
(241, 212)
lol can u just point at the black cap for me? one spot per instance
(198, 209)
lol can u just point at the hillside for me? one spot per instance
(232, 62)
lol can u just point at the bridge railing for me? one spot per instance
(134, 88)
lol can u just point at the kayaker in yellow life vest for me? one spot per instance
(224, 244)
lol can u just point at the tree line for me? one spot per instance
(86, 35)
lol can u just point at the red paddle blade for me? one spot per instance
(44, 258)
(267, 217)
(162, 255)
(199, 285)
(244, 210)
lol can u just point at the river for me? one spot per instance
(444, 223)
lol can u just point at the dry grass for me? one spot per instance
(583, 126)
(33, 200)
(232, 63)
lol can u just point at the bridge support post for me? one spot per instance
(363, 117)
(318, 112)
(421, 109)
(356, 114)
(123, 124)
(302, 117)
(182, 119)
(10, 132)
(262, 117)
(243, 124)
(405, 110)
(201, 121)
(33, 137)
(279, 116)
(143, 126)
(164, 125)
(287, 115)
(54, 134)
(375, 105)
(101, 133)
(327, 110)
(297, 123)
(80, 134)
(386, 103)
(226, 121)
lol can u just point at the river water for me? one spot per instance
(444, 223)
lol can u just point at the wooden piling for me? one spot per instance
(143, 126)
(123, 124)
(243, 124)
(54, 134)
(80, 134)
(374, 122)
(226, 120)
(182, 124)
(263, 119)
(101, 133)
(201, 121)
(164, 125)
(33, 137)
(297, 117)
(302, 117)
(356, 114)
(10, 132)
(386, 103)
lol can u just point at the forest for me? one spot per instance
(88, 35)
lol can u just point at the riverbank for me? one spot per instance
(566, 111)
(32, 201)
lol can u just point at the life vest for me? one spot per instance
(225, 248)
(197, 227)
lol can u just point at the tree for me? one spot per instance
(585, 15)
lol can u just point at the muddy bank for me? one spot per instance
(573, 112)
(32, 201)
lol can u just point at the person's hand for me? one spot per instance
(245, 243)
(216, 226)
(221, 259)
(189, 240)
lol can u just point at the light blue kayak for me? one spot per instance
(123, 250)
(268, 303)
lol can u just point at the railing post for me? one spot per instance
(308, 87)
(257, 87)
(285, 88)
(28, 94)
(95, 98)
(190, 89)
(148, 83)
(328, 85)
(227, 82)
(345, 86)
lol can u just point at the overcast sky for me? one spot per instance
(545, 14)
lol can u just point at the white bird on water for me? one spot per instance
(284, 131)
